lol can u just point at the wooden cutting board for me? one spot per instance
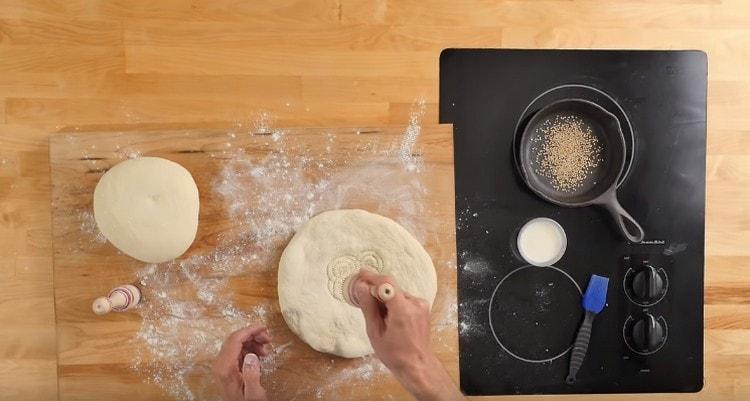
(227, 278)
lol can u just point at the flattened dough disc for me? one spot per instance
(322, 253)
(148, 208)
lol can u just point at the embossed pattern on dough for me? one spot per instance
(346, 266)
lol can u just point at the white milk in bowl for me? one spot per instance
(542, 241)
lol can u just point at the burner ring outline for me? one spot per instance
(492, 327)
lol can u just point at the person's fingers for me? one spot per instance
(422, 303)
(397, 303)
(231, 353)
(232, 390)
(418, 301)
(256, 348)
(234, 343)
(371, 310)
(228, 379)
(247, 333)
(260, 344)
(376, 280)
(262, 338)
(251, 378)
(263, 350)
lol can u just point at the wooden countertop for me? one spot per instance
(325, 63)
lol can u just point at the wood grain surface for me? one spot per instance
(323, 63)
(96, 353)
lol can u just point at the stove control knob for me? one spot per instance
(647, 334)
(648, 285)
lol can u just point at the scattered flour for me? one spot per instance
(465, 218)
(448, 315)
(190, 309)
(478, 267)
(410, 159)
(185, 322)
(472, 324)
(128, 152)
(88, 226)
(361, 376)
(263, 122)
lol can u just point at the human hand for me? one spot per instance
(237, 367)
(399, 331)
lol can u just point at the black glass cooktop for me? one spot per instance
(517, 322)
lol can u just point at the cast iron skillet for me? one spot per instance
(599, 187)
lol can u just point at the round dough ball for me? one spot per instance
(148, 208)
(326, 250)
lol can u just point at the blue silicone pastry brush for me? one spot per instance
(593, 302)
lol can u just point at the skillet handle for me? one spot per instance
(622, 217)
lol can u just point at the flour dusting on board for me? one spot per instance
(191, 304)
(368, 369)
(88, 226)
(411, 160)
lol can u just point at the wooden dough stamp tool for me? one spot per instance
(120, 299)
(384, 292)
(343, 273)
